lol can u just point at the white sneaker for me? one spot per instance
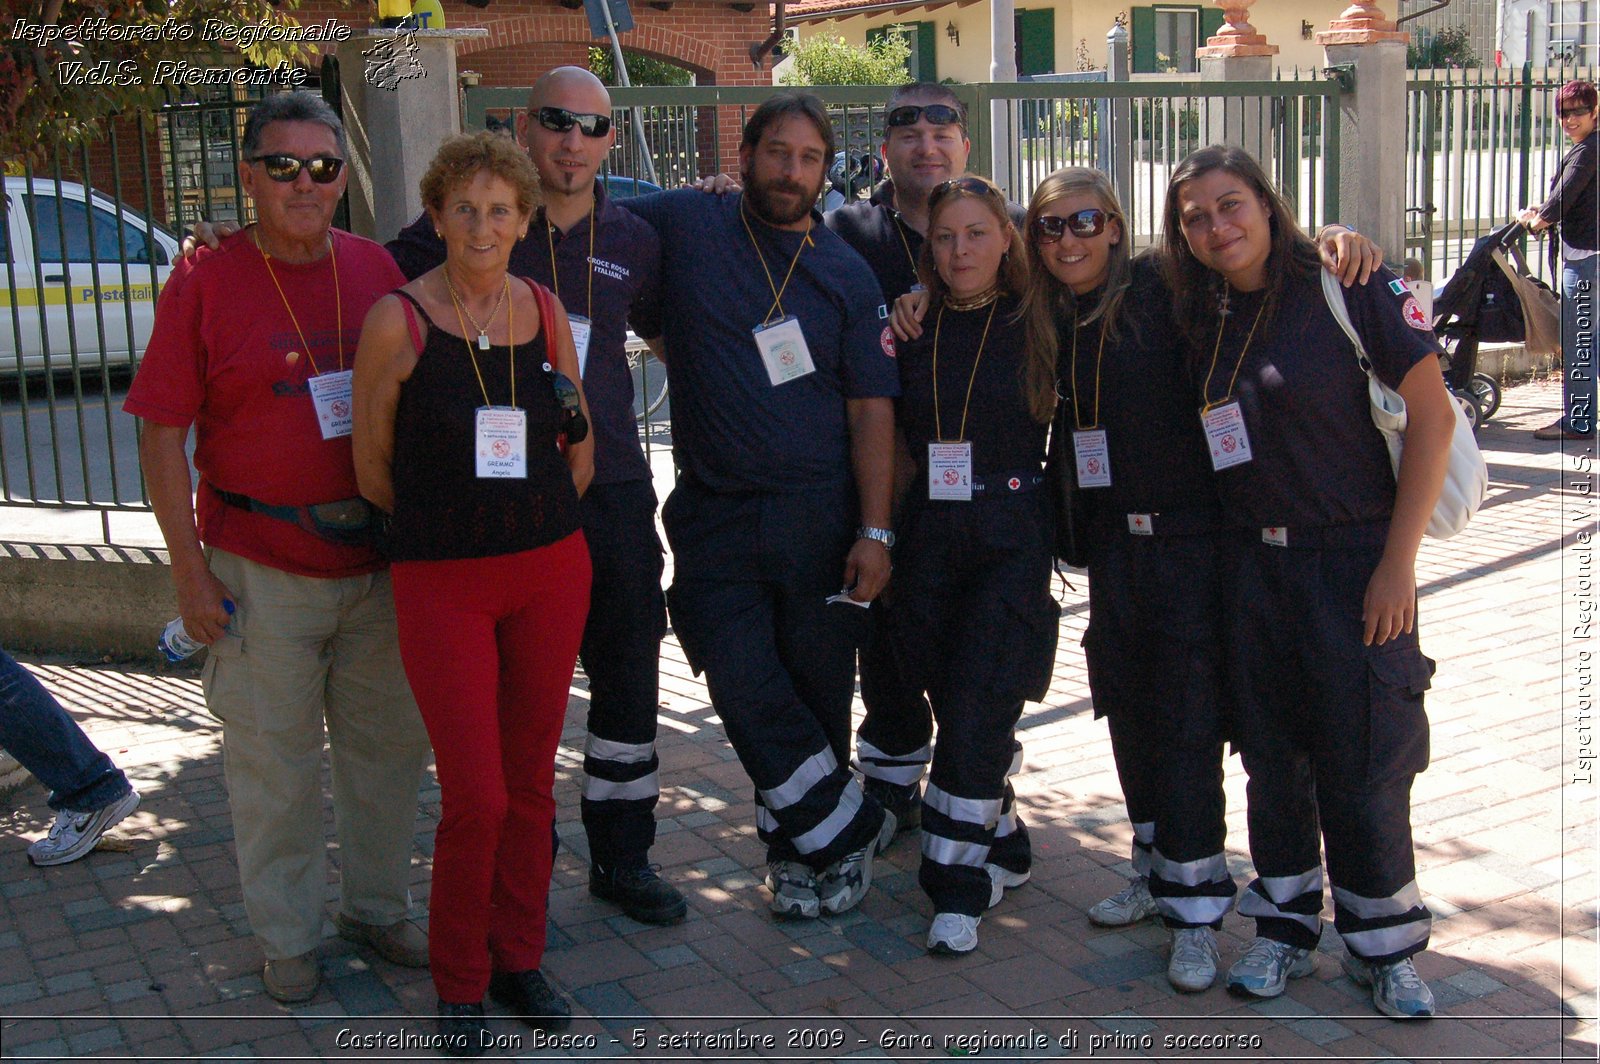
(1267, 966)
(1127, 906)
(953, 933)
(1002, 880)
(794, 889)
(1193, 966)
(1397, 990)
(75, 834)
(843, 884)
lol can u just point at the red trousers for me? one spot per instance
(489, 646)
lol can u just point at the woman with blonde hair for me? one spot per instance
(972, 620)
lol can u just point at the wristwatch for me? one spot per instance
(882, 535)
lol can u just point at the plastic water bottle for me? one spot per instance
(175, 644)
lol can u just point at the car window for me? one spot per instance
(64, 223)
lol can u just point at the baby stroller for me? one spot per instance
(1492, 298)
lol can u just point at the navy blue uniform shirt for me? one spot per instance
(1158, 454)
(624, 279)
(889, 245)
(732, 428)
(1318, 459)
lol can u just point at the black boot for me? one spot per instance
(531, 999)
(640, 891)
(462, 1030)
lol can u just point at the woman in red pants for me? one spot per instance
(469, 430)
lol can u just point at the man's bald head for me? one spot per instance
(563, 85)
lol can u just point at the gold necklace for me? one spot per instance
(461, 305)
(982, 299)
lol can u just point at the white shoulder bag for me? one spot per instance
(1466, 478)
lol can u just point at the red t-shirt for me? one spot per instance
(226, 356)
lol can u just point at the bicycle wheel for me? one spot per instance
(649, 383)
(1486, 390)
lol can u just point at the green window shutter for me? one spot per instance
(1210, 23)
(925, 41)
(1143, 60)
(1036, 41)
(877, 33)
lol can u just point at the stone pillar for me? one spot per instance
(1002, 69)
(400, 102)
(1116, 125)
(1238, 53)
(1372, 133)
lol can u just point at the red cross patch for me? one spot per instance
(886, 341)
(1014, 484)
(1412, 312)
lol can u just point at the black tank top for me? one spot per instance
(442, 509)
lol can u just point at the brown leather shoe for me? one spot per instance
(1557, 430)
(402, 942)
(292, 979)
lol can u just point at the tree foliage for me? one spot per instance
(642, 69)
(825, 59)
(1449, 47)
(41, 111)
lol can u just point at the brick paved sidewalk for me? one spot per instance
(146, 953)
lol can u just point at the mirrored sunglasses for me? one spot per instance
(937, 114)
(324, 169)
(559, 120)
(1047, 229)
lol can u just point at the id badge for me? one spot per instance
(331, 394)
(502, 442)
(783, 350)
(950, 471)
(1226, 435)
(580, 339)
(1094, 458)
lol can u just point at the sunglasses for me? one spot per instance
(559, 120)
(937, 114)
(324, 169)
(574, 425)
(1573, 112)
(1047, 229)
(973, 186)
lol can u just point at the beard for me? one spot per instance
(778, 202)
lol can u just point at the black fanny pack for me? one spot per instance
(346, 522)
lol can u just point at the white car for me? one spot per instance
(76, 267)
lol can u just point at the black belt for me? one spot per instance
(996, 485)
(347, 522)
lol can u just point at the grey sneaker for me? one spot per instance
(844, 883)
(74, 834)
(1193, 965)
(794, 889)
(904, 802)
(1267, 967)
(953, 933)
(1397, 990)
(1002, 880)
(1127, 906)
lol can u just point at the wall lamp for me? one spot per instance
(1306, 29)
(953, 33)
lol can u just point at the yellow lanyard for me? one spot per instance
(938, 425)
(511, 341)
(555, 278)
(1099, 354)
(338, 302)
(777, 293)
(1205, 389)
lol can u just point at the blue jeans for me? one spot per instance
(1578, 342)
(38, 733)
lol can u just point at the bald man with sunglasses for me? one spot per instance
(274, 558)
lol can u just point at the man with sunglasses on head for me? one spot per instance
(603, 263)
(274, 558)
(924, 145)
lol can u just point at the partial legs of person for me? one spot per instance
(751, 576)
(1333, 734)
(621, 655)
(1578, 358)
(490, 645)
(272, 680)
(88, 793)
(894, 741)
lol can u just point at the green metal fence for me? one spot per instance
(1482, 144)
